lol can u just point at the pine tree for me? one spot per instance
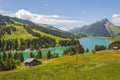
(0, 56)
(4, 56)
(2, 66)
(39, 55)
(31, 47)
(15, 55)
(12, 64)
(9, 55)
(87, 50)
(55, 55)
(49, 55)
(32, 55)
(21, 58)
(79, 49)
(16, 44)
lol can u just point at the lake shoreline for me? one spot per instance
(90, 42)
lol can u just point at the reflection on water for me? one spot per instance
(91, 42)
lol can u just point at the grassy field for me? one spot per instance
(116, 38)
(104, 65)
(51, 36)
(20, 33)
(113, 30)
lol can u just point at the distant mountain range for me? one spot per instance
(7, 22)
(102, 28)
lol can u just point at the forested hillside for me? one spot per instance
(17, 34)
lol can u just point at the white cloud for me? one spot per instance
(116, 18)
(55, 20)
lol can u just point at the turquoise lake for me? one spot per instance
(91, 42)
(87, 43)
(58, 50)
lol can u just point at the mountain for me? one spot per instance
(6, 22)
(102, 28)
(46, 28)
(49, 27)
(20, 34)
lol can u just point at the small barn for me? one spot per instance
(115, 48)
(31, 62)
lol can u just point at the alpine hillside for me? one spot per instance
(102, 28)
(20, 34)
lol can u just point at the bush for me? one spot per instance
(39, 55)
(55, 55)
(32, 55)
(7, 65)
(49, 55)
(99, 48)
(93, 51)
(87, 50)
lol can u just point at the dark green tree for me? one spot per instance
(21, 58)
(100, 47)
(9, 55)
(16, 56)
(49, 55)
(4, 56)
(0, 56)
(2, 66)
(10, 64)
(32, 55)
(55, 55)
(31, 47)
(39, 55)
(16, 44)
(87, 50)
(79, 48)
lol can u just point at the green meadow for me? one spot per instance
(115, 38)
(103, 65)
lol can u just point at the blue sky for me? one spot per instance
(85, 11)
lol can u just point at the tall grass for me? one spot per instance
(103, 65)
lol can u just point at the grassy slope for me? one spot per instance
(116, 38)
(20, 33)
(113, 30)
(51, 36)
(104, 65)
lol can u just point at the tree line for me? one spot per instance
(32, 25)
(71, 42)
(100, 47)
(33, 44)
(10, 61)
(78, 49)
(48, 55)
(37, 43)
(52, 32)
(29, 30)
(8, 30)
